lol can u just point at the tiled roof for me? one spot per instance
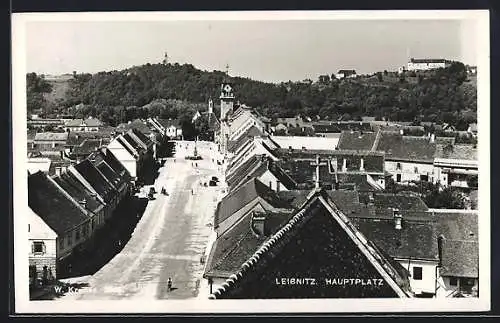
(415, 239)
(137, 124)
(246, 193)
(323, 127)
(96, 180)
(93, 122)
(409, 148)
(356, 140)
(77, 190)
(445, 140)
(325, 231)
(166, 123)
(128, 138)
(242, 138)
(142, 137)
(465, 152)
(235, 246)
(97, 159)
(460, 258)
(256, 166)
(88, 146)
(399, 201)
(51, 136)
(52, 205)
(115, 164)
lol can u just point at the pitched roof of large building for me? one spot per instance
(251, 132)
(240, 197)
(460, 258)
(321, 229)
(98, 181)
(357, 140)
(137, 124)
(49, 202)
(89, 145)
(255, 167)
(51, 136)
(406, 148)
(464, 152)
(78, 191)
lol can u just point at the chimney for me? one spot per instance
(258, 223)
(58, 171)
(371, 199)
(433, 137)
(440, 241)
(397, 219)
(83, 203)
(401, 132)
(362, 164)
(344, 165)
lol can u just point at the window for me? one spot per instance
(69, 239)
(38, 247)
(398, 166)
(417, 273)
(85, 230)
(61, 243)
(466, 282)
(77, 234)
(453, 281)
(416, 170)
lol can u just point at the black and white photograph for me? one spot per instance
(256, 162)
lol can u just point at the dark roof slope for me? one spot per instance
(466, 152)
(246, 193)
(235, 246)
(406, 148)
(460, 258)
(325, 234)
(115, 164)
(52, 205)
(415, 239)
(356, 140)
(142, 137)
(78, 191)
(251, 132)
(98, 181)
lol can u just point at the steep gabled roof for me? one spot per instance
(235, 246)
(406, 148)
(245, 194)
(142, 137)
(242, 138)
(115, 164)
(69, 183)
(255, 167)
(356, 140)
(460, 258)
(308, 229)
(98, 182)
(463, 152)
(52, 205)
(51, 136)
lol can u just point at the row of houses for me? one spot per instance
(300, 222)
(299, 126)
(68, 206)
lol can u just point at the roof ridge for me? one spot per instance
(377, 140)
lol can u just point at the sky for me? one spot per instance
(266, 50)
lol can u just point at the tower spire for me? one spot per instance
(227, 69)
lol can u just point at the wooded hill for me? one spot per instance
(443, 95)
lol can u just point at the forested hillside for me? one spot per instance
(444, 95)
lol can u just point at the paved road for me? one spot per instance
(169, 240)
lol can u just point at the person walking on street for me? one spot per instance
(169, 284)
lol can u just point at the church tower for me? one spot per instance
(226, 109)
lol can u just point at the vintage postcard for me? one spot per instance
(251, 162)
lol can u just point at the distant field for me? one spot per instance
(59, 88)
